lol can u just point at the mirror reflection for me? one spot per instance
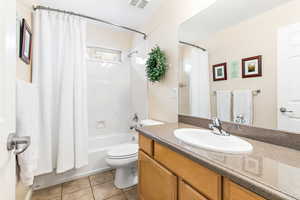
(241, 65)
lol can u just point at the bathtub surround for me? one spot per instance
(60, 73)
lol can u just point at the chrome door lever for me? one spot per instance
(18, 144)
(284, 110)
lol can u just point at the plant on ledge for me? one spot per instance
(156, 65)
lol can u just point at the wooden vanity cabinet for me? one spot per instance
(206, 181)
(155, 182)
(186, 192)
(146, 144)
(167, 175)
(232, 191)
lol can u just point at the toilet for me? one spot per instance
(124, 159)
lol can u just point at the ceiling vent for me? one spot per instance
(139, 3)
(143, 3)
(133, 2)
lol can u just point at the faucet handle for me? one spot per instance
(135, 117)
(216, 122)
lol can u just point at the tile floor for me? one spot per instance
(96, 187)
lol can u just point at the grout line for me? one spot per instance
(61, 191)
(91, 188)
(125, 195)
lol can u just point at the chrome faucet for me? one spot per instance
(135, 118)
(216, 126)
(136, 121)
(239, 120)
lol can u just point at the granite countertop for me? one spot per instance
(269, 170)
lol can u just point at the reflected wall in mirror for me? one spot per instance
(259, 42)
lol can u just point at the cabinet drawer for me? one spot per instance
(233, 191)
(146, 144)
(202, 179)
(155, 182)
(186, 192)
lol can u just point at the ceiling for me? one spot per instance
(115, 11)
(223, 14)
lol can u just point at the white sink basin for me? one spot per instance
(205, 139)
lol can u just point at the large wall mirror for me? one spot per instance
(240, 62)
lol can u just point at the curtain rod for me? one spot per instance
(193, 45)
(38, 7)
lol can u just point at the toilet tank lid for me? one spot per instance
(123, 150)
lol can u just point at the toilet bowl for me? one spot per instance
(124, 159)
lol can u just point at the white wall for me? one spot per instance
(108, 84)
(24, 10)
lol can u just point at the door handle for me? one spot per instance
(18, 144)
(284, 110)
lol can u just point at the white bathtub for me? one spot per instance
(98, 146)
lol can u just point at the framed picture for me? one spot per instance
(252, 67)
(25, 42)
(220, 72)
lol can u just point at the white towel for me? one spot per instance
(224, 105)
(27, 125)
(243, 105)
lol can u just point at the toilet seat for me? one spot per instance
(123, 152)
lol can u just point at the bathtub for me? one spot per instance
(98, 146)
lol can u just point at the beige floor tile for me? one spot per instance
(45, 198)
(85, 194)
(117, 197)
(101, 178)
(51, 193)
(106, 190)
(131, 194)
(75, 185)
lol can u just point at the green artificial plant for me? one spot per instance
(156, 65)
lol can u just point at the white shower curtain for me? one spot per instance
(60, 72)
(199, 83)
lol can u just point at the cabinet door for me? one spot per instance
(146, 144)
(233, 191)
(186, 192)
(204, 180)
(155, 182)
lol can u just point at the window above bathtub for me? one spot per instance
(105, 55)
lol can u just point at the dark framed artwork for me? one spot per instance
(220, 72)
(25, 42)
(252, 67)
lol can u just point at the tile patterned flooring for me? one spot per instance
(96, 187)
